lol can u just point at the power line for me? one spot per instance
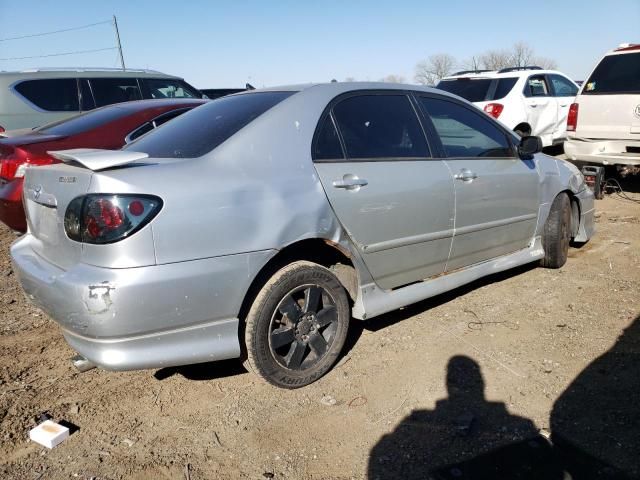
(61, 54)
(55, 31)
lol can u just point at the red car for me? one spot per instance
(108, 127)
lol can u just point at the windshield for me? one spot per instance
(85, 121)
(615, 74)
(479, 89)
(204, 128)
(472, 90)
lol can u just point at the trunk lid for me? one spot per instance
(48, 190)
(610, 117)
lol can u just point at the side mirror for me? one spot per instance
(529, 146)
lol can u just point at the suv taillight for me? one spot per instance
(494, 109)
(100, 219)
(2, 130)
(572, 118)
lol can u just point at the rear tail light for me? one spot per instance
(103, 219)
(2, 130)
(494, 109)
(572, 118)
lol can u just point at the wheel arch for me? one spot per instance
(322, 251)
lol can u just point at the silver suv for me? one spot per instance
(31, 98)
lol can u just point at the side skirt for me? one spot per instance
(373, 301)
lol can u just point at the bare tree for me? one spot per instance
(546, 63)
(521, 55)
(436, 67)
(495, 59)
(472, 63)
(393, 79)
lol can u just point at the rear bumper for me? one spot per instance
(602, 152)
(11, 209)
(147, 317)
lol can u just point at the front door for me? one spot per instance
(496, 192)
(394, 200)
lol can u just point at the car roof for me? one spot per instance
(83, 73)
(474, 74)
(343, 87)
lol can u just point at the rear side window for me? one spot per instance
(536, 87)
(465, 133)
(380, 126)
(52, 95)
(327, 144)
(168, 88)
(474, 90)
(615, 74)
(562, 87)
(114, 90)
(202, 129)
(86, 121)
(503, 87)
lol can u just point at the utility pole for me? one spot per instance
(115, 25)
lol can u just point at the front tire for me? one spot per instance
(556, 235)
(297, 325)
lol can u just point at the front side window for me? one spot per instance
(615, 74)
(536, 86)
(465, 133)
(52, 95)
(202, 129)
(380, 126)
(562, 87)
(168, 88)
(114, 90)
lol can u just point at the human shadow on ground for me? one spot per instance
(595, 429)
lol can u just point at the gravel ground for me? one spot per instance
(452, 380)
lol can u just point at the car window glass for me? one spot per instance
(168, 88)
(202, 129)
(55, 94)
(380, 126)
(114, 90)
(86, 97)
(465, 133)
(474, 90)
(86, 121)
(563, 87)
(504, 87)
(327, 144)
(615, 74)
(147, 127)
(536, 87)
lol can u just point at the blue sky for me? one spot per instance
(225, 44)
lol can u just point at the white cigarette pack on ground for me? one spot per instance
(49, 433)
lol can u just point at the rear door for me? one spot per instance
(393, 198)
(541, 107)
(564, 92)
(609, 103)
(496, 192)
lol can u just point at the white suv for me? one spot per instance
(528, 100)
(604, 123)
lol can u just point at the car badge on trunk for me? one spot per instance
(637, 111)
(67, 179)
(36, 191)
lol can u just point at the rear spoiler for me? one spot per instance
(95, 159)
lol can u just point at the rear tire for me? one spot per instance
(297, 325)
(556, 235)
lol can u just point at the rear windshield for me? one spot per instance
(615, 74)
(86, 121)
(204, 128)
(479, 90)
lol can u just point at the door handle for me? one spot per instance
(466, 175)
(350, 182)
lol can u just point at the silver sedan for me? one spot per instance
(258, 225)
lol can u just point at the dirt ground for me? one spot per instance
(532, 352)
